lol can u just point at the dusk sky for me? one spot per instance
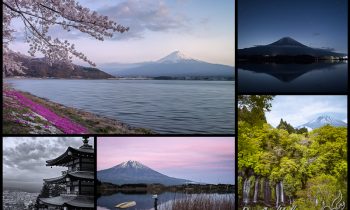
(201, 159)
(201, 29)
(24, 160)
(315, 23)
(298, 110)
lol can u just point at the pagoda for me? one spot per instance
(78, 179)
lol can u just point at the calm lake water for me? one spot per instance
(165, 106)
(145, 201)
(305, 78)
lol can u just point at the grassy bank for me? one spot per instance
(200, 202)
(24, 113)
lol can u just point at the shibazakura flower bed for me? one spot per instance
(62, 123)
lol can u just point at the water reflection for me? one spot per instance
(327, 77)
(145, 201)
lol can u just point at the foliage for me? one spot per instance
(51, 190)
(251, 108)
(64, 124)
(311, 165)
(38, 16)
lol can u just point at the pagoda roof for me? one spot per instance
(70, 154)
(81, 175)
(70, 200)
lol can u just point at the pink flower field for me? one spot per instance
(62, 123)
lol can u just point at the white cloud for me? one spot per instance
(298, 110)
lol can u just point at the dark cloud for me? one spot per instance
(316, 34)
(34, 152)
(24, 158)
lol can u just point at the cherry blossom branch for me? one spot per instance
(39, 15)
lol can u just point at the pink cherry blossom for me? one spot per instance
(39, 15)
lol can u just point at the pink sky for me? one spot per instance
(203, 159)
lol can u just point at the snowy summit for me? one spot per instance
(322, 121)
(131, 164)
(175, 57)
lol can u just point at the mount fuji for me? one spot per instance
(176, 64)
(286, 46)
(322, 121)
(133, 172)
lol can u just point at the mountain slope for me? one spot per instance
(37, 67)
(133, 172)
(322, 121)
(286, 46)
(175, 64)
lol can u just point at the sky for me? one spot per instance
(201, 29)
(201, 159)
(24, 160)
(298, 110)
(315, 23)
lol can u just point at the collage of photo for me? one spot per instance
(175, 105)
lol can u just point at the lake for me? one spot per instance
(145, 201)
(165, 106)
(318, 77)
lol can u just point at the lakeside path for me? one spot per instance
(24, 113)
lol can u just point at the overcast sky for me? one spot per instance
(202, 29)
(201, 159)
(298, 110)
(24, 159)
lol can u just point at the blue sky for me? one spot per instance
(202, 29)
(315, 23)
(298, 110)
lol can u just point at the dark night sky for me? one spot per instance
(315, 23)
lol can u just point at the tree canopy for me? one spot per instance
(312, 165)
(38, 16)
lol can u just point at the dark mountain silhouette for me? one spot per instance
(176, 64)
(39, 68)
(286, 47)
(133, 172)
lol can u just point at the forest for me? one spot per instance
(288, 167)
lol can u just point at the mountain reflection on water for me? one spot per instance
(327, 77)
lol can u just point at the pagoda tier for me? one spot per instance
(72, 176)
(86, 202)
(71, 154)
(78, 179)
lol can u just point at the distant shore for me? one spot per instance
(23, 114)
(131, 78)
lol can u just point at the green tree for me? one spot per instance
(252, 108)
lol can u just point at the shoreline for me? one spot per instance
(20, 119)
(123, 79)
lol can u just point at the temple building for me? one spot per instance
(78, 179)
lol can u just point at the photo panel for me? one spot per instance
(292, 46)
(131, 67)
(48, 173)
(166, 173)
(292, 152)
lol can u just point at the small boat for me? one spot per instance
(126, 205)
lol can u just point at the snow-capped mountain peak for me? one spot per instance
(174, 57)
(134, 172)
(323, 120)
(131, 164)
